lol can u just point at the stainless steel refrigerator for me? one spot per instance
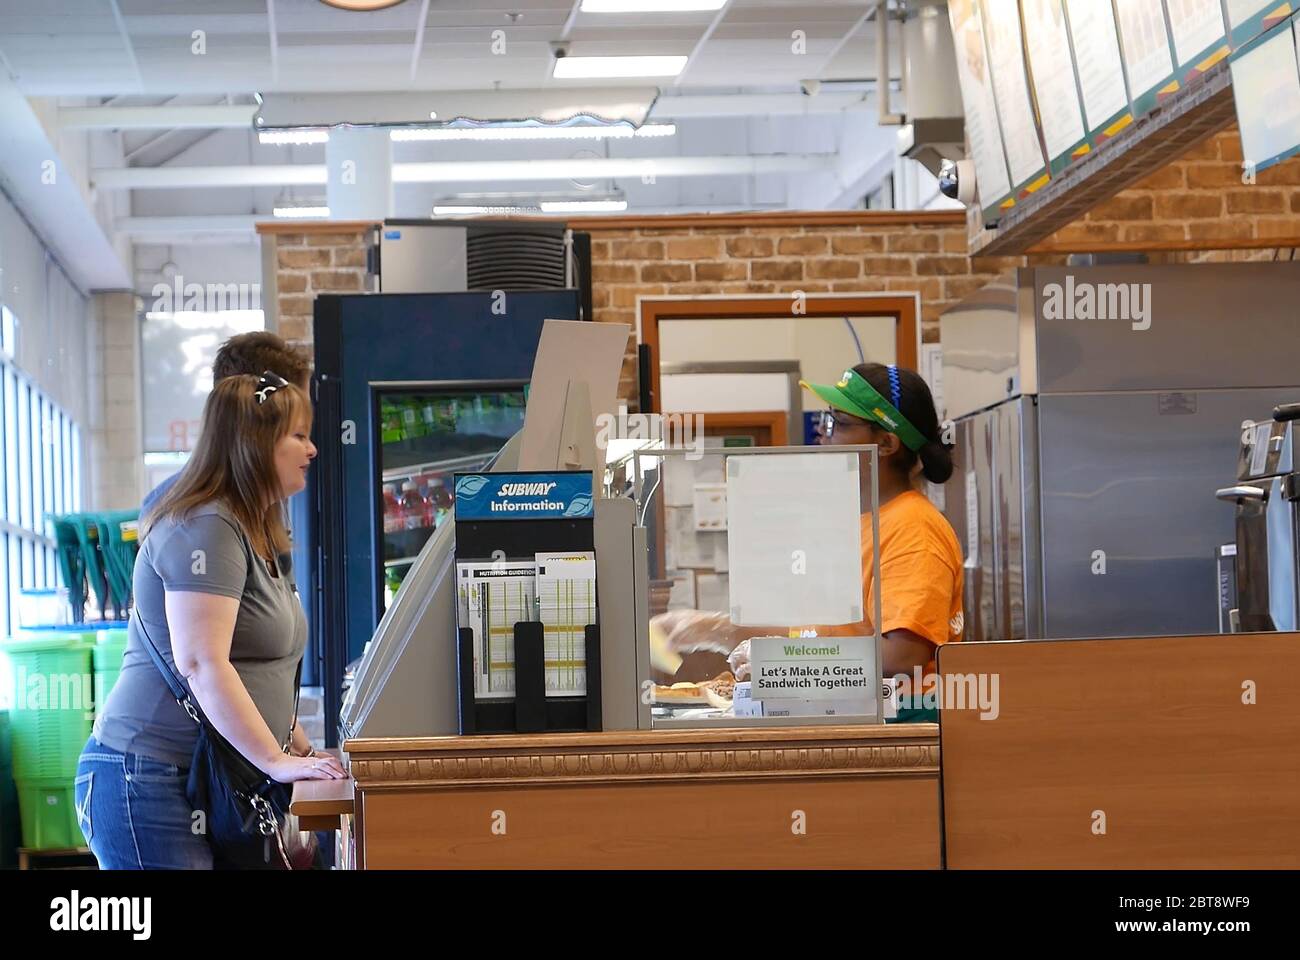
(1096, 411)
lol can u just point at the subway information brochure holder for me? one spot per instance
(528, 644)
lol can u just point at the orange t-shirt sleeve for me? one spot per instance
(917, 595)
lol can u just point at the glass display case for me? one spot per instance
(758, 614)
(427, 432)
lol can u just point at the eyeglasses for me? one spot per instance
(830, 421)
(267, 384)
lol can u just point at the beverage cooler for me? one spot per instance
(428, 432)
(409, 389)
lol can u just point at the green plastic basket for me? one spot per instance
(52, 702)
(107, 659)
(49, 814)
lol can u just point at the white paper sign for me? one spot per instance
(794, 538)
(814, 668)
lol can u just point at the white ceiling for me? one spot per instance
(112, 47)
(740, 97)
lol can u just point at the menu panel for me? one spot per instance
(1011, 92)
(1247, 19)
(1200, 36)
(1060, 113)
(1266, 87)
(1101, 71)
(981, 112)
(1148, 56)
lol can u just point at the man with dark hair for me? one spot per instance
(255, 353)
(249, 353)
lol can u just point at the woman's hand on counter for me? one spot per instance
(319, 766)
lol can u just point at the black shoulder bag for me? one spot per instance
(244, 808)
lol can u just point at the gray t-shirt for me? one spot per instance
(141, 715)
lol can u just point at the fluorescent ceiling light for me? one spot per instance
(473, 210)
(293, 137)
(299, 213)
(649, 6)
(583, 206)
(611, 132)
(597, 68)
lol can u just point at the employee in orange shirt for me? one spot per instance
(921, 580)
(920, 561)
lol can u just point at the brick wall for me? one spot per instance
(859, 252)
(779, 254)
(310, 263)
(1197, 207)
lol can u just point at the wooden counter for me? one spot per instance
(1142, 753)
(794, 797)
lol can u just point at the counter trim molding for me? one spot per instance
(863, 755)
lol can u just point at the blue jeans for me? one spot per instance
(134, 814)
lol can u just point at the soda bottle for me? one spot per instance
(412, 506)
(392, 509)
(429, 416)
(412, 424)
(390, 430)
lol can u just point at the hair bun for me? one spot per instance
(936, 461)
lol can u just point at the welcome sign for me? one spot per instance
(813, 668)
(523, 496)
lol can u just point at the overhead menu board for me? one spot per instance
(1266, 87)
(1060, 112)
(1247, 19)
(1200, 36)
(1095, 40)
(1148, 54)
(1025, 161)
(991, 176)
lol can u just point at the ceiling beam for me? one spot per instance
(570, 20)
(472, 171)
(759, 104)
(419, 38)
(704, 38)
(273, 34)
(843, 41)
(126, 42)
(207, 116)
(165, 226)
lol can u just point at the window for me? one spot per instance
(40, 476)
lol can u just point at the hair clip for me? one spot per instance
(268, 383)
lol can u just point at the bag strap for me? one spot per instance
(168, 672)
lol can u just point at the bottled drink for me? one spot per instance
(390, 430)
(392, 509)
(413, 506)
(412, 422)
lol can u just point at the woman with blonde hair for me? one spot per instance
(213, 598)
